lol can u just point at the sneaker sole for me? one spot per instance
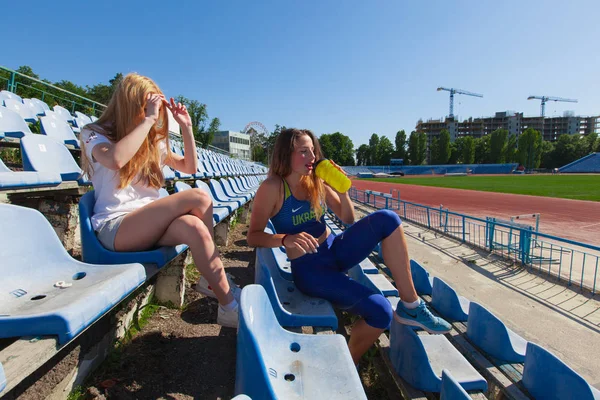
(205, 291)
(412, 322)
(208, 292)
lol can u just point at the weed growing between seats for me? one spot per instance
(11, 157)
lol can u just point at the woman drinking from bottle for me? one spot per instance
(295, 198)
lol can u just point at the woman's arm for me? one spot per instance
(115, 155)
(189, 162)
(340, 203)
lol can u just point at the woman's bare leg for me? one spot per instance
(395, 255)
(142, 228)
(362, 338)
(190, 230)
(182, 218)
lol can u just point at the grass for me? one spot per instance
(576, 187)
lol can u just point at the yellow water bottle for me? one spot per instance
(333, 176)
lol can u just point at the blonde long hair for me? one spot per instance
(124, 112)
(281, 165)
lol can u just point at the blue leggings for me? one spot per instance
(324, 274)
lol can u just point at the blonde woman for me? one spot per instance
(123, 154)
(294, 199)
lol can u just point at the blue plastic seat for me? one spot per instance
(546, 377)
(26, 179)
(210, 170)
(47, 292)
(162, 192)
(421, 279)
(63, 113)
(41, 153)
(420, 359)
(448, 303)
(451, 389)
(376, 282)
(230, 205)
(82, 119)
(273, 363)
(168, 173)
(2, 378)
(22, 109)
(41, 103)
(218, 193)
(34, 106)
(59, 130)
(490, 334)
(368, 267)
(229, 191)
(5, 94)
(292, 307)
(12, 124)
(219, 213)
(92, 250)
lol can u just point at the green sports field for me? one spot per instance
(577, 187)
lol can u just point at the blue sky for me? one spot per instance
(357, 67)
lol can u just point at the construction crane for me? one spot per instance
(544, 99)
(456, 91)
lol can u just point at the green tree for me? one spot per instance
(422, 148)
(482, 150)
(373, 143)
(400, 142)
(498, 144)
(510, 155)
(444, 147)
(338, 147)
(530, 148)
(259, 154)
(385, 150)
(468, 150)
(417, 147)
(569, 148)
(199, 115)
(101, 92)
(327, 147)
(548, 160)
(590, 143)
(454, 153)
(434, 151)
(362, 155)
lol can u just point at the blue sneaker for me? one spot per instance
(422, 318)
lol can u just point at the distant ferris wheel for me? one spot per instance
(257, 127)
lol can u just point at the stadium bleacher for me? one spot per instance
(585, 165)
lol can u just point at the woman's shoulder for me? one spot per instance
(93, 132)
(271, 185)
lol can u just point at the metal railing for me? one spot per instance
(567, 260)
(19, 83)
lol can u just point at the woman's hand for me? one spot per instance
(180, 113)
(338, 167)
(302, 241)
(153, 104)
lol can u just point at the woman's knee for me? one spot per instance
(376, 310)
(193, 230)
(387, 220)
(197, 198)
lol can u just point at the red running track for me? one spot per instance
(571, 219)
